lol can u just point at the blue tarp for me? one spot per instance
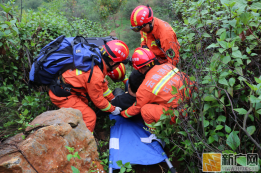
(125, 143)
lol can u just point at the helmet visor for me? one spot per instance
(136, 28)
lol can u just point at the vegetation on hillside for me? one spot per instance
(220, 50)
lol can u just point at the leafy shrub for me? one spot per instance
(220, 50)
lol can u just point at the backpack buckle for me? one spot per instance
(67, 89)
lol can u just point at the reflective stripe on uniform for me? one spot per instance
(78, 72)
(144, 34)
(153, 43)
(119, 72)
(163, 81)
(123, 67)
(149, 125)
(107, 108)
(106, 93)
(142, 39)
(127, 113)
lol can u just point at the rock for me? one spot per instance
(117, 25)
(43, 149)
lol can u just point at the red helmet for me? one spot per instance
(118, 74)
(117, 50)
(140, 16)
(142, 57)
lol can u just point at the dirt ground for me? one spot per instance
(113, 33)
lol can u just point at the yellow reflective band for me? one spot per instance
(120, 44)
(163, 81)
(123, 67)
(127, 113)
(103, 51)
(149, 125)
(142, 39)
(135, 15)
(106, 93)
(119, 72)
(139, 52)
(78, 72)
(107, 108)
(153, 43)
(145, 34)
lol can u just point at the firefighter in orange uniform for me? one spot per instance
(97, 91)
(156, 34)
(155, 91)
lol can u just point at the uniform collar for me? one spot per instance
(155, 27)
(149, 71)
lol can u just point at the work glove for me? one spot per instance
(117, 111)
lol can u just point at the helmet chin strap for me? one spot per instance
(107, 63)
(146, 71)
(151, 27)
(106, 59)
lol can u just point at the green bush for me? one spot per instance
(220, 50)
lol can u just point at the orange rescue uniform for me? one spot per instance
(168, 40)
(155, 92)
(97, 90)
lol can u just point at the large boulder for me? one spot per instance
(43, 149)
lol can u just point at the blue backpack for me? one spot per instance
(63, 54)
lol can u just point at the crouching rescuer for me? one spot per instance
(154, 93)
(73, 90)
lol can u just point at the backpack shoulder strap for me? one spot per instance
(159, 46)
(99, 64)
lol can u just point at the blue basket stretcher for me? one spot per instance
(126, 144)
